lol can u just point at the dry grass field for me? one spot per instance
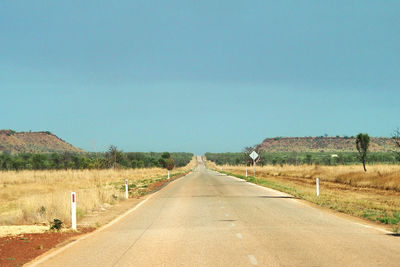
(37, 197)
(374, 195)
(386, 177)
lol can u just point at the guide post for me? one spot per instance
(126, 189)
(73, 210)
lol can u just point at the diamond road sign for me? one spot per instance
(254, 155)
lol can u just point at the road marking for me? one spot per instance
(375, 228)
(226, 215)
(239, 235)
(45, 257)
(61, 249)
(293, 200)
(253, 260)
(232, 225)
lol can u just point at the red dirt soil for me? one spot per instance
(18, 250)
(21, 249)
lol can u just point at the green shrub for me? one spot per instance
(56, 225)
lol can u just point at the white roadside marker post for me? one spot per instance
(246, 171)
(317, 187)
(126, 189)
(168, 174)
(73, 210)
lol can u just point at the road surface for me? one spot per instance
(209, 219)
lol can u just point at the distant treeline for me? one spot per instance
(298, 158)
(54, 161)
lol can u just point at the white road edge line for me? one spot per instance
(375, 228)
(263, 187)
(253, 260)
(285, 194)
(58, 251)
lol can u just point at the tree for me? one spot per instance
(166, 161)
(113, 155)
(362, 144)
(170, 164)
(166, 155)
(39, 161)
(309, 159)
(246, 155)
(55, 160)
(163, 160)
(396, 139)
(18, 163)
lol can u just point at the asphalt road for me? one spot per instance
(209, 219)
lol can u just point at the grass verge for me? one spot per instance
(382, 206)
(38, 197)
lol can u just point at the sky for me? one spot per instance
(198, 76)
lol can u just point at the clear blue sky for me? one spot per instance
(198, 76)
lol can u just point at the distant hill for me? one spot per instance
(33, 142)
(323, 144)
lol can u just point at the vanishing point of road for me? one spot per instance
(210, 219)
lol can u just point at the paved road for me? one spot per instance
(208, 219)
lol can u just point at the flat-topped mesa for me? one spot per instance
(323, 144)
(13, 142)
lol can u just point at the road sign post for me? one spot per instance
(126, 189)
(254, 156)
(73, 210)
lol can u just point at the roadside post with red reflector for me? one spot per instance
(126, 189)
(73, 210)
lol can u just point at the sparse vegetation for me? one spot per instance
(301, 158)
(49, 191)
(12, 142)
(56, 225)
(323, 144)
(362, 144)
(112, 158)
(396, 139)
(170, 164)
(382, 177)
(374, 195)
(113, 155)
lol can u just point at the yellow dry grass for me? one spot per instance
(13, 230)
(374, 195)
(37, 197)
(385, 177)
